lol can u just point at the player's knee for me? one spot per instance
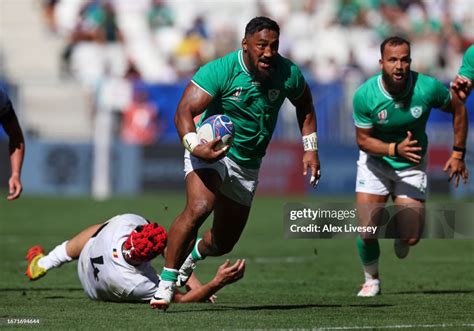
(199, 209)
(413, 241)
(222, 248)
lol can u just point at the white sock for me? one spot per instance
(55, 258)
(370, 271)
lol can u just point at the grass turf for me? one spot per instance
(288, 283)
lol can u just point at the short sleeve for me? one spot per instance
(438, 94)
(211, 76)
(467, 67)
(297, 83)
(6, 106)
(361, 112)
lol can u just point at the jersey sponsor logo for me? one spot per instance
(273, 94)
(236, 94)
(416, 111)
(382, 116)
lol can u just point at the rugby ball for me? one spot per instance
(216, 126)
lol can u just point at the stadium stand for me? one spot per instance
(90, 57)
(93, 41)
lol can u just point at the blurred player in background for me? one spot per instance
(391, 110)
(249, 86)
(462, 84)
(16, 144)
(115, 262)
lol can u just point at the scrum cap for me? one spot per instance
(145, 242)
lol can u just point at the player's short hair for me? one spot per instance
(393, 41)
(260, 23)
(145, 242)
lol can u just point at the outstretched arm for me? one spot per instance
(455, 164)
(308, 124)
(17, 153)
(226, 274)
(75, 245)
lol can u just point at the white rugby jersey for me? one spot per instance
(103, 271)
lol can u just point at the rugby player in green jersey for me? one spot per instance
(391, 110)
(249, 86)
(462, 84)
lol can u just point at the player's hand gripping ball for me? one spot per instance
(216, 126)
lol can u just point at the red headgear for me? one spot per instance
(145, 242)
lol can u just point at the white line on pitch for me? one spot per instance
(401, 326)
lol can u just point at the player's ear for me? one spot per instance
(380, 63)
(244, 44)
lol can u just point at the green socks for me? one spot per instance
(195, 254)
(170, 275)
(368, 253)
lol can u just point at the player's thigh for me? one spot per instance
(411, 183)
(203, 181)
(373, 177)
(409, 218)
(202, 186)
(230, 218)
(370, 208)
(232, 206)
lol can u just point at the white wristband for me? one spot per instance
(190, 141)
(310, 142)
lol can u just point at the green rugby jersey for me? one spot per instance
(467, 67)
(252, 106)
(392, 117)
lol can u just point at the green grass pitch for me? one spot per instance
(289, 284)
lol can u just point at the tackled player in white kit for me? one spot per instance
(115, 262)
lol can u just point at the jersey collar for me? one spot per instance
(388, 95)
(242, 63)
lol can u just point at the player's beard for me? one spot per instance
(260, 75)
(394, 86)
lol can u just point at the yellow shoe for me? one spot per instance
(33, 270)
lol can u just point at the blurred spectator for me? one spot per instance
(160, 15)
(140, 121)
(95, 45)
(48, 7)
(194, 49)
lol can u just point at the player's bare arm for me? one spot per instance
(455, 164)
(17, 153)
(226, 274)
(193, 103)
(407, 148)
(308, 124)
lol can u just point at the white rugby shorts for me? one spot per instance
(238, 183)
(376, 177)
